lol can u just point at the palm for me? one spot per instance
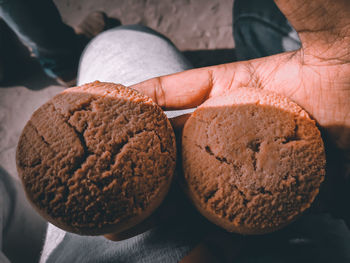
(320, 87)
(317, 77)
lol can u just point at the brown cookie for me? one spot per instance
(97, 159)
(253, 161)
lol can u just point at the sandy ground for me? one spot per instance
(190, 24)
(201, 28)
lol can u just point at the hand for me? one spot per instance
(317, 77)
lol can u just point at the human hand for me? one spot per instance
(317, 76)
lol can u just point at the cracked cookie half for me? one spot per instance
(253, 160)
(97, 159)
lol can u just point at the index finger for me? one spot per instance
(182, 90)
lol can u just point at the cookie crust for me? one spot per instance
(97, 159)
(253, 161)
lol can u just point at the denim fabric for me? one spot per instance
(39, 26)
(260, 30)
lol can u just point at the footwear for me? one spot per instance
(66, 82)
(95, 23)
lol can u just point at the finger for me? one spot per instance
(200, 254)
(179, 121)
(145, 225)
(179, 91)
(217, 246)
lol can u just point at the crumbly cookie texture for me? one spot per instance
(97, 158)
(253, 160)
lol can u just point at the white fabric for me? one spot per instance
(128, 56)
(22, 228)
(123, 55)
(54, 237)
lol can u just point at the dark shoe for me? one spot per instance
(66, 82)
(95, 23)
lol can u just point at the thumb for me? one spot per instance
(182, 90)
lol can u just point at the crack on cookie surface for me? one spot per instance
(127, 154)
(219, 158)
(267, 162)
(295, 136)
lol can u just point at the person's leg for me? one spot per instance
(260, 29)
(39, 25)
(128, 55)
(56, 45)
(131, 54)
(21, 229)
